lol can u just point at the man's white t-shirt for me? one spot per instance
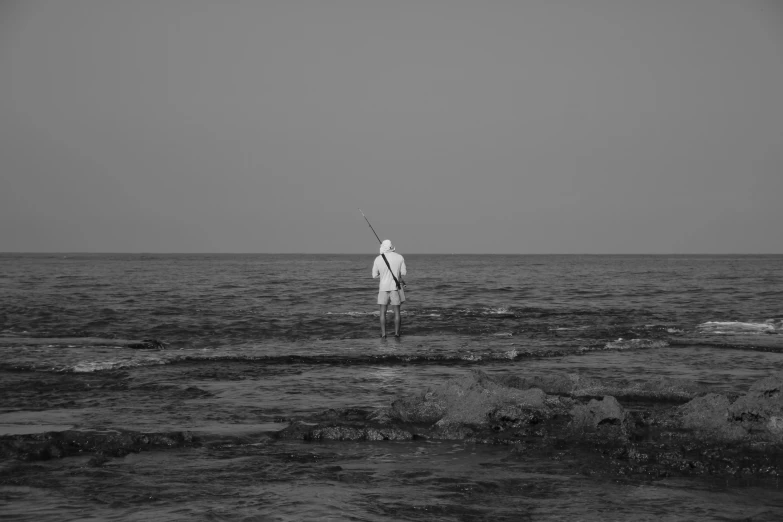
(397, 264)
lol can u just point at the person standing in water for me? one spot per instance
(390, 267)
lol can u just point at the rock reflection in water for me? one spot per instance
(271, 480)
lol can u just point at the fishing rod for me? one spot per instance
(373, 230)
(400, 283)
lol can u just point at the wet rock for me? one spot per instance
(597, 413)
(755, 415)
(473, 405)
(299, 430)
(466, 400)
(509, 417)
(44, 446)
(775, 426)
(388, 434)
(709, 416)
(761, 408)
(424, 409)
(336, 433)
(636, 438)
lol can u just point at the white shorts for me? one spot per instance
(393, 297)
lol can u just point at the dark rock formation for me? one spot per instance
(417, 409)
(710, 434)
(761, 409)
(144, 344)
(647, 432)
(597, 413)
(342, 430)
(104, 445)
(709, 414)
(756, 416)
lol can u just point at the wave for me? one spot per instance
(501, 310)
(632, 344)
(740, 346)
(90, 367)
(80, 342)
(456, 358)
(437, 312)
(770, 326)
(130, 360)
(61, 364)
(356, 314)
(488, 310)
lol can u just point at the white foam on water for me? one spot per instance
(83, 359)
(668, 329)
(630, 344)
(511, 354)
(358, 314)
(500, 310)
(95, 366)
(741, 327)
(561, 329)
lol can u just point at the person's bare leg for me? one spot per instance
(397, 320)
(383, 320)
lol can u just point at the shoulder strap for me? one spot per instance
(390, 270)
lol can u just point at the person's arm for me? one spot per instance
(375, 271)
(403, 270)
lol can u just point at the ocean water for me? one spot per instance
(256, 341)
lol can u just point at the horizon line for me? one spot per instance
(76, 252)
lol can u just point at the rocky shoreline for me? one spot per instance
(653, 429)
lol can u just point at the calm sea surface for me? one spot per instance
(257, 340)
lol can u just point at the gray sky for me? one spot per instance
(583, 126)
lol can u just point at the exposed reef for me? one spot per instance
(656, 428)
(143, 344)
(103, 445)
